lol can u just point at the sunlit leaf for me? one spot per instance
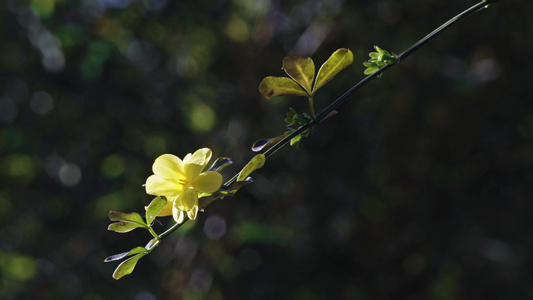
(265, 143)
(370, 70)
(255, 163)
(119, 256)
(295, 119)
(339, 60)
(280, 86)
(123, 227)
(127, 266)
(379, 59)
(132, 217)
(154, 208)
(301, 70)
(220, 164)
(374, 55)
(296, 140)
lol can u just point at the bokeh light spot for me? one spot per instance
(145, 296)
(18, 266)
(43, 8)
(155, 145)
(104, 203)
(113, 166)
(253, 8)
(203, 118)
(41, 103)
(201, 280)
(237, 30)
(19, 167)
(69, 174)
(215, 227)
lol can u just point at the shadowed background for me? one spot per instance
(420, 188)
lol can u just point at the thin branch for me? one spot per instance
(339, 101)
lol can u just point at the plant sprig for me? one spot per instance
(301, 82)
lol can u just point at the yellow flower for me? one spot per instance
(180, 181)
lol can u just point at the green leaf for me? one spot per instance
(133, 251)
(294, 119)
(301, 70)
(123, 227)
(132, 217)
(339, 60)
(154, 208)
(296, 140)
(220, 164)
(370, 70)
(280, 86)
(255, 163)
(264, 143)
(127, 266)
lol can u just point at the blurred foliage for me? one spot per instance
(420, 188)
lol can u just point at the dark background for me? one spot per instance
(420, 188)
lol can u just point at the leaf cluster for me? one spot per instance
(126, 222)
(379, 59)
(301, 71)
(301, 82)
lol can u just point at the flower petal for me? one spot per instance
(200, 157)
(192, 171)
(158, 186)
(207, 182)
(168, 166)
(195, 163)
(187, 199)
(193, 212)
(178, 215)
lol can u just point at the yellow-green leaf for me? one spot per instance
(300, 69)
(154, 208)
(339, 60)
(123, 227)
(255, 163)
(132, 217)
(370, 70)
(280, 86)
(127, 266)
